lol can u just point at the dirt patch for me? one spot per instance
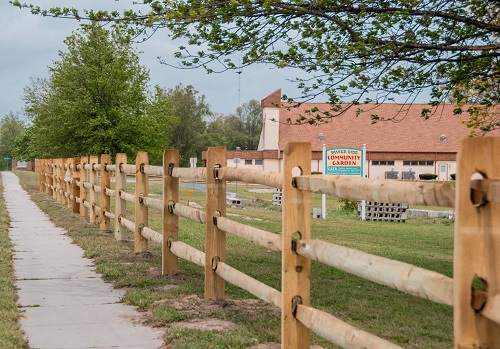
(194, 305)
(206, 324)
(201, 312)
(245, 217)
(277, 346)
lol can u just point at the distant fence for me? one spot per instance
(84, 185)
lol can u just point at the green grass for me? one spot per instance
(406, 320)
(11, 335)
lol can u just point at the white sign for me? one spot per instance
(193, 162)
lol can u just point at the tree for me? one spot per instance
(481, 97)
(94, 99)
(353, 51)
(241, 129)
(180, 113)
(11, 128)
(250, 113)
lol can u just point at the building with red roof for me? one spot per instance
(405, 147)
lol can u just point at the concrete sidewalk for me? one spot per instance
(64, 302)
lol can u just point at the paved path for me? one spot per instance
(65, 304)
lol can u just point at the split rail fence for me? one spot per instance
(476, 198)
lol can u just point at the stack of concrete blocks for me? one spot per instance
(381, 211)
(233, 200)
(277, 195)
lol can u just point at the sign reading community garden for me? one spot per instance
(344, 161)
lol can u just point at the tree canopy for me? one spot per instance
(94, 99)
(353, 51)
(241, 129)
(12, 129)
(181, 114)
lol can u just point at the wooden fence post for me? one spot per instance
(105, 201)
(170, 263)
(84, 212)
(40, 168)
(94, 179)
(215, 239)
(75, 189)
(141, 210)
(50, 178)
(296, 224)
(477, 244)
(57, 180)
(60, 181)
(68, 164)
(120, 204)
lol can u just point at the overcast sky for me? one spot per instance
(30, 44)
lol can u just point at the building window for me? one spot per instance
(382, 162)
(248, 162)
(418, 163)
(258, 162)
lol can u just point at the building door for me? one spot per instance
(443, 172)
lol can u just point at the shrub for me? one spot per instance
(348, 205)
(427, 176)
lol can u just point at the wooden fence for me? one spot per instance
(83, 184)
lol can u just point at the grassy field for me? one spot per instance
(167, 301)
(11, 337)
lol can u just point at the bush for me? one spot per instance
(427, 176)
(348, 205)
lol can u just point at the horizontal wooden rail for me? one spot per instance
(192, 173)
(152, 235)
(491, 309)
(127, 223)
(398, 275)
(111, 168)
(255, 287)
(153, 170)
(188, 212)
(380, 190)
(110, 192)
(271, 179)
(339, 332)
(127, 196)
(152, 202)
(110, 215)
(187, 252)
(257, 236)
(128, 169)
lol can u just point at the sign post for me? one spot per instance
(323, 196)
(8, 158)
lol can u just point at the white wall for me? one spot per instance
(269, 136)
